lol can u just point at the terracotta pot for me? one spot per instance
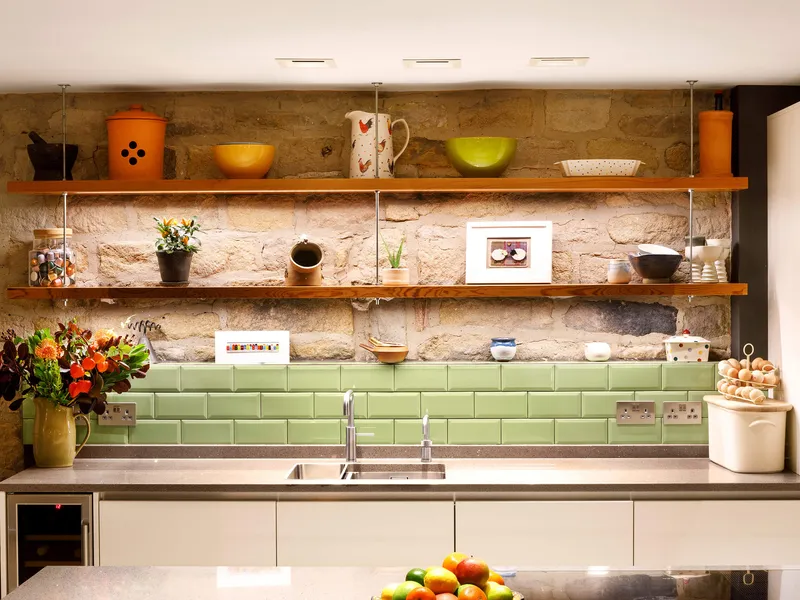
(54, 434)
(305, 264)
(397, 276)
(716, 128)
(174, 266)
(136, 144)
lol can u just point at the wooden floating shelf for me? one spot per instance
(159, 292)
(351, 186)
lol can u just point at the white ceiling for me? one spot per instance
(232, 44)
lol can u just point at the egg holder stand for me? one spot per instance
(749, 383)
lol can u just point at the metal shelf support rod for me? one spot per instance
(691, 83)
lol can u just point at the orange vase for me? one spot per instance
(716, 127)
(136, 144)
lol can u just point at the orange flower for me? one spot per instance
(47, 350)
(186, 223)
(168, 222)
(102, 336)
(185, 240)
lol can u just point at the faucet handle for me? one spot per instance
(426, 427)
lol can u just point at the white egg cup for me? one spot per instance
(704, 260)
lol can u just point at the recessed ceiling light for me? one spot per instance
(306, 63)
(559, 61)
(432, 63)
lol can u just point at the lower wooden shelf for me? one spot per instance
(157, 291)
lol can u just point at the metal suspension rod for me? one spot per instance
(377, 85)
(64, 87)
(691, 83)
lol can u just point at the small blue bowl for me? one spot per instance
(503, 349)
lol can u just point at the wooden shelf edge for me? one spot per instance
(343, 186)
(157, 292)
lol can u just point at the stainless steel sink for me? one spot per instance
(316, 471)
(394, 471)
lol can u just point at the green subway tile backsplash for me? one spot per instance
(180, 406)
(475, 403)
(330, 405)
(473, 431)
(634, 377)
(399, 405)
(473, 378)
(501, 404)
(275, 405)
(698, 397)
(448, 404)
(528, 378)
(246, 405)
(259, 378)
(367, 378)
(528, 431)
(688, 376)
(260, 432)
(371, 431)
(420, 378)
(409, 431)
(314, 432)
(554, 404)
(603, 404)
(580, 377)
(206, 378)
(314, 378)
(207, 432)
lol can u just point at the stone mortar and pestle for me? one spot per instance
(47, 159)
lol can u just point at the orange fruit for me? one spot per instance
(471, 592)
(451, 560)
(474, 571)
(440, 581)
(496, 578)
(446, 597)
(421, 593)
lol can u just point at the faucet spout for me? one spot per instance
(427, 444)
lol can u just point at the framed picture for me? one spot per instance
(510, 252)
(251, 347)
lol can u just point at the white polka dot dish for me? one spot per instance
(599, 167)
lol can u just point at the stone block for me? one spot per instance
(649, 228)
(577, 111)
(623, 318)
(624, 148)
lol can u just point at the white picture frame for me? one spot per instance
(528, 248)
(251, 347)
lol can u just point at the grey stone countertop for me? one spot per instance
(464, 476)
(313, 583)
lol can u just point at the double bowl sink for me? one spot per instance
(354, 471)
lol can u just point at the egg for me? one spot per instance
(756, 396)
(722, 386)
(723, 367)
(735, 364)
(758, 377)
(732, 372)
(745, 375)
(771, 379)
(757, 363)
(767, 367)
(731, 391)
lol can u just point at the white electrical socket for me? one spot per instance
(683, 413)
(636, 413)
(118, 414)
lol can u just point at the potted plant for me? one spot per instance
(395, 275)
(67, 374)
(175, 247)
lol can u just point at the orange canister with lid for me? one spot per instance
(136, 144)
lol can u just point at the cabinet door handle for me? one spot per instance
(86, 535)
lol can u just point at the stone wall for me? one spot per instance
(248, 237)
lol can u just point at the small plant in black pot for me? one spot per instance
(175, 247)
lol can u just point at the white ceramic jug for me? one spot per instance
(362, 144)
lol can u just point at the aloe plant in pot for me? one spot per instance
(174, 248)
(395, 275)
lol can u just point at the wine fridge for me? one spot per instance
(47, 530)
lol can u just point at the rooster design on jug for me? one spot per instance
(371, 152)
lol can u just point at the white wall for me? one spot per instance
(784, 261)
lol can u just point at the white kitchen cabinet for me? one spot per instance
(537, 535)
(186, 533)
(364, 534)
(717, 533)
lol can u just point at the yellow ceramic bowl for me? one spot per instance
(244, 160)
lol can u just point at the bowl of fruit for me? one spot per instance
(460, 577)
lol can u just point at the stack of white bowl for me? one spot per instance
(708, 261)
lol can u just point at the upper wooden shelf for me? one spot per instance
(157, 291)
(342, 186)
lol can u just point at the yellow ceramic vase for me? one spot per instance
(54, 434)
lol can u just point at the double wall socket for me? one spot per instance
(636, 413)
(118, 414)
(683, 413)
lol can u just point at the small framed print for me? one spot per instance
(509, 252)
(251, 347)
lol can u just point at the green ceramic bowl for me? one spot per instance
(481, 156)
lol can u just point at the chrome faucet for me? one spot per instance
(350, 453)
(426, 440)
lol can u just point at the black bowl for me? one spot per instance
(48, 163)
(655, 268)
